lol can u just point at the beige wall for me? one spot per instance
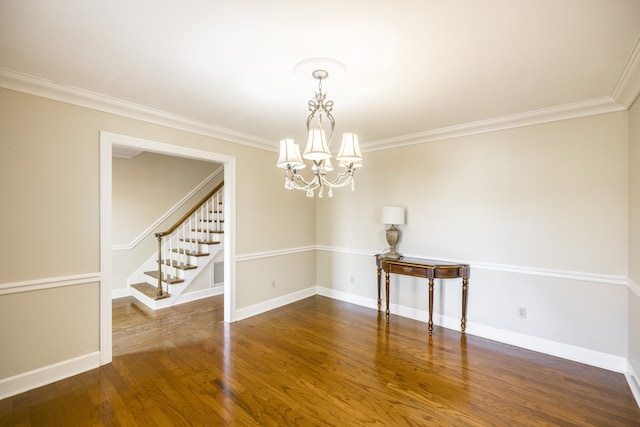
(634, 237)
(273, 217)
(45, 327)
(536, 199)
(548, 196)
(274, 277)
(147, 186)
(49, 186)
(49, 173)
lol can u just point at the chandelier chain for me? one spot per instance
(317, 106)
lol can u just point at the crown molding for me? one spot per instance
(625, 93)
(628, 87)
(47, 89)
(544, 115)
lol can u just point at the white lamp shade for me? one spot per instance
(327, 166)
(290, 155)
(393, 215)
(317, 148)
(350, 149)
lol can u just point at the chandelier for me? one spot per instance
(318, 151)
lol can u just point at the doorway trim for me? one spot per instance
(107, 141)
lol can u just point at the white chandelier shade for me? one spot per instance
(318, 151)
(350, 149)
(317, 148)
(290, 155)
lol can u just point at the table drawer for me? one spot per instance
(408, 270)
(448, 272)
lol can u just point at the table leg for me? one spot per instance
(379, 300)
(465, 288)
(386, 284)
(430, 305)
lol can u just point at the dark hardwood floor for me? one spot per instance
(317, 362)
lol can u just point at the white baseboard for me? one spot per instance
(253, 310)
(48, 374)
(565, 351)
(120, 293)
(634, 382)
(204, 293)
(347, 297)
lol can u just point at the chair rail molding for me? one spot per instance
(48, 283)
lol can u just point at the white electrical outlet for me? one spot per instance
(522, 312)
(273, 283)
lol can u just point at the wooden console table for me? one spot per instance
(429, 269)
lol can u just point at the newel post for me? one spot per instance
(159, 288)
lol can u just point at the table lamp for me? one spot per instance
(393, 216)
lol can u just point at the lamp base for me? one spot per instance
(393, 234)
(392, 256)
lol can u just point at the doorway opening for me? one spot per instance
(107, 142)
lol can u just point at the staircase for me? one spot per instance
(183, 250)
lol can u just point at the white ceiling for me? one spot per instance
(416, 69)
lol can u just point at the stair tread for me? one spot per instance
(189, 253)
(204, 230)
(149, 290)
(203, 242)
(212, 220)
(179, 265)
(170, 280)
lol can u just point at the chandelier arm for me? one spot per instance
(338, 182)
(331, 120)
(313, 108)
(311, 185)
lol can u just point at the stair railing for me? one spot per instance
(193, 228)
